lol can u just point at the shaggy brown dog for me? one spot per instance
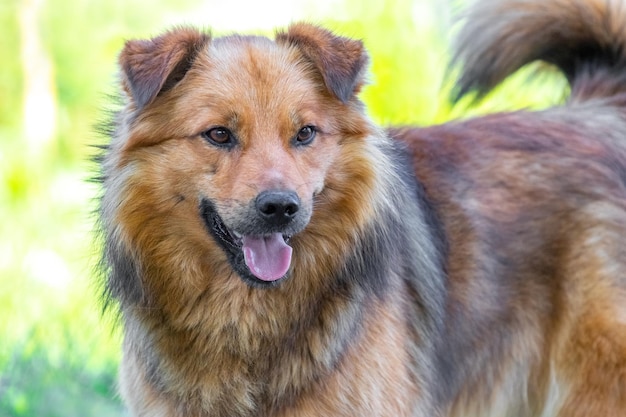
(274, 253)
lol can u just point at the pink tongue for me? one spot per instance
(267, 257)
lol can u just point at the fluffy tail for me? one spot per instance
(585, 39)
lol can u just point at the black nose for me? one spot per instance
(277, 206)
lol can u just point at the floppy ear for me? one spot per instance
(341, 61)
(153, 66)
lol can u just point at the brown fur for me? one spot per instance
(491, 282)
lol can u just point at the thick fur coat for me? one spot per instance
(274, 253)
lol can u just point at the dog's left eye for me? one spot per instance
(305, 135)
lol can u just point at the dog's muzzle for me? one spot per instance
(256, 241)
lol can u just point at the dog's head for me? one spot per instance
(238, 134)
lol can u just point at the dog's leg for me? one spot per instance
(140, 396)
(592, 354)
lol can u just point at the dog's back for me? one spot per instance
(534, 208)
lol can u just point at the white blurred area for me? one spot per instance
(246, 15)
(39, 100)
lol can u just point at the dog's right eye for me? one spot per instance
(219, 136)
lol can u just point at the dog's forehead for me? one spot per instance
(254, 64)
(251, 78)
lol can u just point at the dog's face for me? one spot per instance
(232, 140)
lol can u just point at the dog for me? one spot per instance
(275, 253)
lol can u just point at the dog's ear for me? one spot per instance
(152, 66)
(341, 61)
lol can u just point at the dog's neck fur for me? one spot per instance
(232, 360)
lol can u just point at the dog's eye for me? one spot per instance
(219, 136)
(305, 135)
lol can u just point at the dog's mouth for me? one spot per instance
(260, 259)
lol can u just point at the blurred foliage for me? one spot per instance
(58, 354)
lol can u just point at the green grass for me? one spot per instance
(34, 384)
(58, 353)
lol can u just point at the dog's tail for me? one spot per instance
(585, 39)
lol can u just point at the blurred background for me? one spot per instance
(58, 350)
